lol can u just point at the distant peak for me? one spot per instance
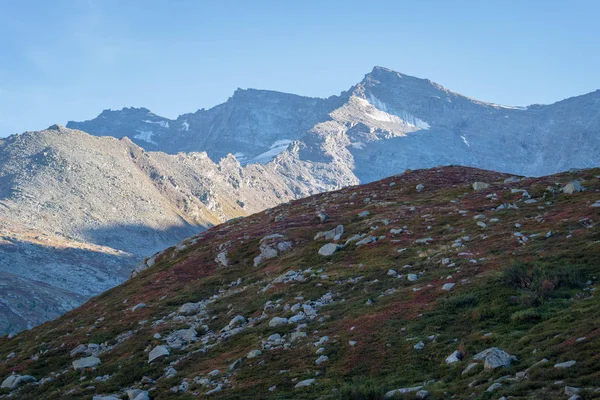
(57, 127)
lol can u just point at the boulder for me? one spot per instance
(572, 187)
(14, 381)
(454, 357)
(254, 354)
(480, 185)
(278, 321)
(396, 392)
(321, 360)
(329, 249)
(138, 306)
(494, 358)
(158, 352)
(566, 364)
(305, 383)
(448, 286)
(86, 362)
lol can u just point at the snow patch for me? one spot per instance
(358, 145)
(383, 112)
(277, 147)
(185, 125)
(164, 124)
(146, 136)
(464, 138)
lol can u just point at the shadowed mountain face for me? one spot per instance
(386, 123)
(451, 282)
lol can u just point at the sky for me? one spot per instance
(67, 60)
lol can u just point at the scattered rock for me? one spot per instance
(566, 364)
(494, 358)
(254, 354)
(396, 392)
(454, 357)
(419, 346)
(138, 307)
(158, 352)
(469, 368)
(86, 362)
(419, 187)
(494, 387)
(448, 286)
(305, 383)
(572, 187)
(321, 360)
(329, 249)
(480, 185)
(14, 381)
(278, 321)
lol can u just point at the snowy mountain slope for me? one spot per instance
(386, 123)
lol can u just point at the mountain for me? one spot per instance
(385, 124)
(78, 212)
(450, 282)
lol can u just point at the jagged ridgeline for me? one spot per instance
(443, 283)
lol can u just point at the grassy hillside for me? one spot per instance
(448, 268)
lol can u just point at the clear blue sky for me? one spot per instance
(63, 60)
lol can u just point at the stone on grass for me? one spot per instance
(454, 357)
(86, 362)
(448, 286)
(321, 360)
(480, 185)
(14, 381)
(494, 358)
(329, 249)
(566, 364)
(158, 352)
(572, 187)
(396, 392)
(494, 387)
(278, 321)
(305, 383)
(254, 354)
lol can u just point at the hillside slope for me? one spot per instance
(431, 268)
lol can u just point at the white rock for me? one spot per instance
(448, 286)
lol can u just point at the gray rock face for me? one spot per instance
(86, 362)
